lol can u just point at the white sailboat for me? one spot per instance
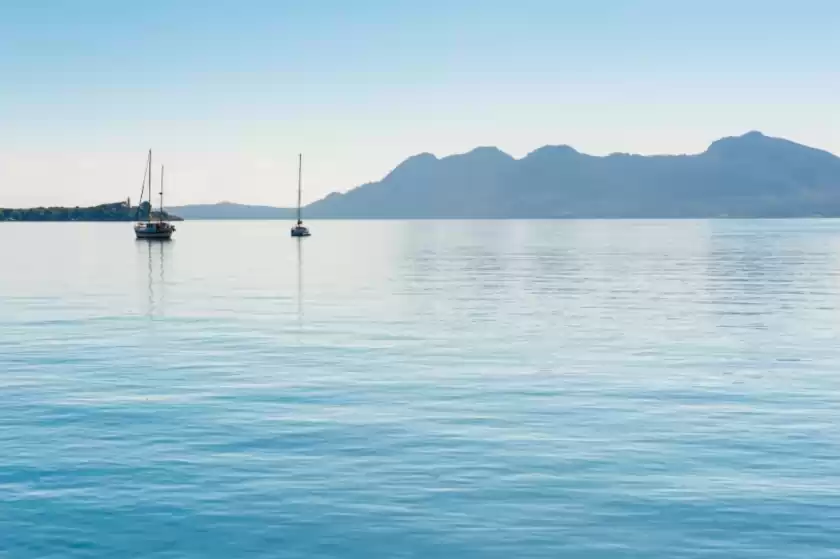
(299, 230)
(154, 229)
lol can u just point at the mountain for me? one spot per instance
(227, 210)
(746, 176)
(119, 211)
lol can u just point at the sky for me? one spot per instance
(227, 93)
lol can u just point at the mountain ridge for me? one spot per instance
(751, 175)
(230, 210)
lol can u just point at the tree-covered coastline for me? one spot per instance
(120, 211)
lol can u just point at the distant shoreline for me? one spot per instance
(117, 212)
(752, 176)
(576, 218)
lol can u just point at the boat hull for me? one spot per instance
(300, 232)
(164, 236)
(154, 231)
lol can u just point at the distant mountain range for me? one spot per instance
(228, 210)
(746, 176)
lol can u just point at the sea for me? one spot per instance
(421, 389)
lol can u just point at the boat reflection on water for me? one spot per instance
(155, 278)
(300, 282)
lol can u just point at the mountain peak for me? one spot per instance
(549, 151)
(751, 138)
(755, 144)
(413, 163)
(486, 149)
(425, 156)
(484, 152)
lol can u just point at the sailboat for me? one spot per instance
(154, 229)
(300, 230)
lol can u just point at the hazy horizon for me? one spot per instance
(235, 202)
(227, 95)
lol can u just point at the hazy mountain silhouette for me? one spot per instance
(751, 176)
(228, 210)
(746, 176)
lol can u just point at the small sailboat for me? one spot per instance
(299, 230)
(154, 229)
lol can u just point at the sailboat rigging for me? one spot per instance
(156, 229)
(299, 230)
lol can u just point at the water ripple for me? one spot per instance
(389, 389)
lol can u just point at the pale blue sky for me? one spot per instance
(228, 92)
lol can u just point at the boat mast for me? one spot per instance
(149, 218)
(300, 174)
(160, 217)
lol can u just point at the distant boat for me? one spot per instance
(299, 230)
(153, 229)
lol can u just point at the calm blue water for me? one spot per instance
(449, 389)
